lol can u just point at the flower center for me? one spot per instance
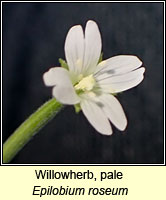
(86, 84)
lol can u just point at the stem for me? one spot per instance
(29, 128)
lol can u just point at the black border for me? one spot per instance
(93, 165)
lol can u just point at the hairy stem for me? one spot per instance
(29, 128)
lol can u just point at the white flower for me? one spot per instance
(93, 85)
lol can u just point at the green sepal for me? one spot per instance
(63, 63)
(101, 57)
(77, 108)
(116, 94)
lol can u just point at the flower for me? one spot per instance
(90, 84)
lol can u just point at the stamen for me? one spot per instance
(86, 83)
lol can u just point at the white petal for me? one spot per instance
(96, 117)
(114, 111)
(118, 65)
(115, 84)
(63, 90)
(56, 76)
(49, 77)
(65, 95)
(92, 47)
(74, 49)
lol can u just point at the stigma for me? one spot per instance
(86, 84)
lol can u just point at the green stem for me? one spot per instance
(29, 128)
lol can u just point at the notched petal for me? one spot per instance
(96, 117)
(49, 77)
